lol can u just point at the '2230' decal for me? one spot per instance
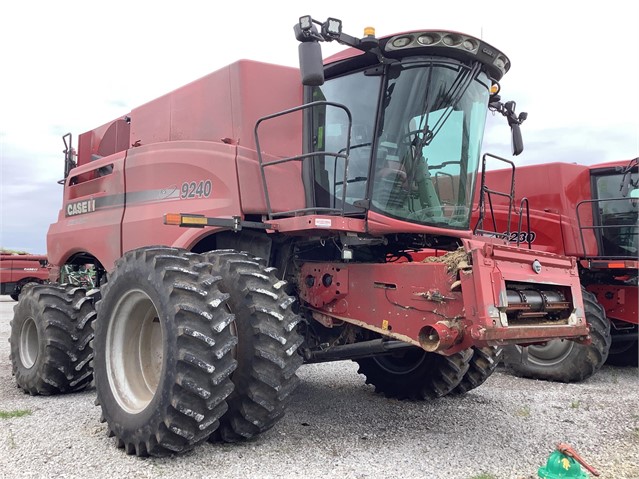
(196, 189)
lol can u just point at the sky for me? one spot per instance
(70, 66)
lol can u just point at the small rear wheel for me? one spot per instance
(162, 351)
(50, 339)
(415, 374)
(564, 360)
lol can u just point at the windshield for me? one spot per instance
(430, 139)
(423, 152)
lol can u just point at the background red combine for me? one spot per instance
(589, 212)
(16, 270)
(235, 235)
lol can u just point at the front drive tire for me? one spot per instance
(50, 339)
(415, 374)
(266, 352)
(564, 360)
(162, 351)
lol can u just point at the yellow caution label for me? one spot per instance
(385, 324)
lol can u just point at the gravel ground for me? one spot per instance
(337, 426)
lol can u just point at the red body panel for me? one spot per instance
(621, 302)
(554, 191)
(401, 299)
(16, 268)
(194, 146)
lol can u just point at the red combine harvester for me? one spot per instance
(290, 227)
(16, 270)
(589, 212)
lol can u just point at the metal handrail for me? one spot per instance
(487, 192)
(598, 229)
(344, 155)
(521, 209)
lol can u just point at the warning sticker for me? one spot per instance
(323, 222)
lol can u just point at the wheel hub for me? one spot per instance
(134, 351)
(552, 353)
(29, 344)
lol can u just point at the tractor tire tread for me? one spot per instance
(267, 345)
(191, 396)
(62, 317)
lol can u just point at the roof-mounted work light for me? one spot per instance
(332, 27)
(306, 22)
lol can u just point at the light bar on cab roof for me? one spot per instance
(462, 43)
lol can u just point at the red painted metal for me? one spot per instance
(380, 224)
(197, 133)
(314, 224)
(19, 268)
(554, 190)
(621, 302)
(407, 300)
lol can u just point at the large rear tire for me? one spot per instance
(162, 351)
(50, 339)
(415, 374)
(267, 343)
(482, 365)
(564, 360)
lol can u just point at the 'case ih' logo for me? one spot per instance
(81, 207)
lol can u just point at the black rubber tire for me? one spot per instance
(482, 365)
(162, 351)
(50, 339)
(563, 360)
(267, 345)
(415, 374)
(627, 356)
(16, 293)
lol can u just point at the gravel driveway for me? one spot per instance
(337, 427)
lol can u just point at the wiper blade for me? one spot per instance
(452, 97)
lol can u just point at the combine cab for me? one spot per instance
(589, 212)
(248, 223)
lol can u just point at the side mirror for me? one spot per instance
(311, 63)
(517, 143)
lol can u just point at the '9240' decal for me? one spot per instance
(193, 189)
